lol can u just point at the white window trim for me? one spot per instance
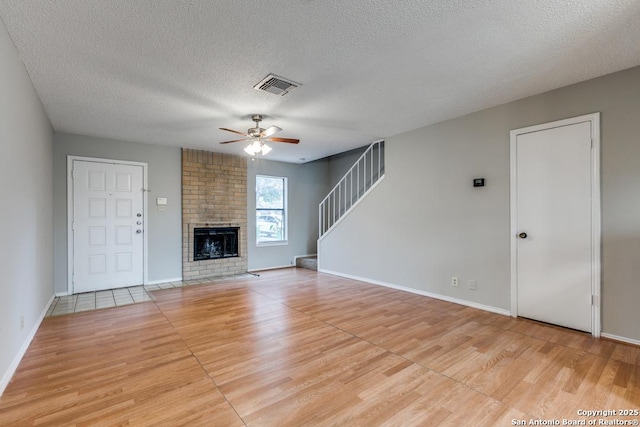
(274, 243)
(284, 242)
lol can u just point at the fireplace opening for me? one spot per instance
(214, 243)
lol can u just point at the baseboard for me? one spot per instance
(257, 270)
(157, 282)
(423, 293)
(62, 294)
(621, 339)
(6, 378)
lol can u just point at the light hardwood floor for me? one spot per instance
(299, 348)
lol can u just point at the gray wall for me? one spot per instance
(164, 229)
(425, 223)
(307, 185)
(339, 164)
(26, 140)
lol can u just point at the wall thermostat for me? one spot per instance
(478, 182)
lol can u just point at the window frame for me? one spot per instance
(285, 213)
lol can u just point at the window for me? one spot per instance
(271, 210)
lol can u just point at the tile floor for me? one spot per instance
(116, 297)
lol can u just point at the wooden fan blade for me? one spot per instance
(234, 131)
(270, 131)
(289, 140)
(235, 140)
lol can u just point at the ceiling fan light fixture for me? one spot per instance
(265, 149)
(256, 137)
(258, 146)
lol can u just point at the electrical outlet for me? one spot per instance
(472, 285)
(21, 322)
(454, 281)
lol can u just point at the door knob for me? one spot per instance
(138, 231)
(522, 235)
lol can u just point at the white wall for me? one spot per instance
(307, 185)
(26, 245)
(164, 229)
(425, 222)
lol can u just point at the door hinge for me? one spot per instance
(593, 300)
(591, 142)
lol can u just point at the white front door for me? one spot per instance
(553, 230)
(108, 225)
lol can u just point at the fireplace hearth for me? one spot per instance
(215, 243)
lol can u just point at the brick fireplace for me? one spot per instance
(214, 195)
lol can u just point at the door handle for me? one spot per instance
(522, 235)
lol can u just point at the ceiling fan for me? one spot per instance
(259, 136)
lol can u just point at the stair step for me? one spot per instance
(308, 262)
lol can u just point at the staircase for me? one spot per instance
(363, 176)
(309, 262)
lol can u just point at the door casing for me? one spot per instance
(70, 214)
(594, 120)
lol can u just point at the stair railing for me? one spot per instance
(365, 173)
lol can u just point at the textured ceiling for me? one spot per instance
(172, 72)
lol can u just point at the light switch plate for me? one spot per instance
(160, 201)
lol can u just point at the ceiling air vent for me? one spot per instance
(276, 85)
